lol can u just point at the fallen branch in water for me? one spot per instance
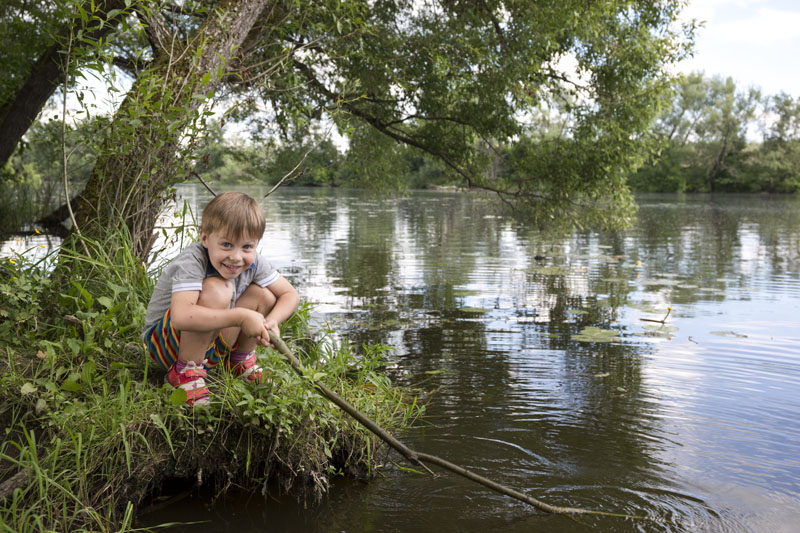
(417, 458)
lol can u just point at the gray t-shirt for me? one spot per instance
(188, 270)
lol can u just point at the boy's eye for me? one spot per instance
(248, 246)
(226, 245)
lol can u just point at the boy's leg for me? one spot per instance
(242, 360)
(216, 294)
(258, 299)
(188, 372)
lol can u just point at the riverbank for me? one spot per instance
(90, 431)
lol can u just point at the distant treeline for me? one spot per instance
(718, 138)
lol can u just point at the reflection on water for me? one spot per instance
(695, 423)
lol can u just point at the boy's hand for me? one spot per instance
(255, 325)
(272, 325)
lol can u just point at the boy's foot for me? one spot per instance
(246, 368)
(191, 378)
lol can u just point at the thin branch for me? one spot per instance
(64, 145)
(206, 185)
(287, 176)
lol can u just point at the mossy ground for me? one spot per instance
(90, 431)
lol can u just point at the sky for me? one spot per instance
(756, 42)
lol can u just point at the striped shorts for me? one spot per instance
(163, 341)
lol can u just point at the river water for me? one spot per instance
(694, 423)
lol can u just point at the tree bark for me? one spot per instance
(45, 75)
(139, 163)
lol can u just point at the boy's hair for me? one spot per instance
(235, 214)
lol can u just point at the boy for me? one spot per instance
(216, 294)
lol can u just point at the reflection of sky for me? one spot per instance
(33, 248)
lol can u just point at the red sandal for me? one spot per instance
(247, 369)
(191, 379)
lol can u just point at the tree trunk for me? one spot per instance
(140, 161)
(716, 166)
(45, 75)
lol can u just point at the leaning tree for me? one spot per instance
(454, 79)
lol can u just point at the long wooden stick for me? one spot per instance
(417, 458)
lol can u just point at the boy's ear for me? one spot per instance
(203, 239)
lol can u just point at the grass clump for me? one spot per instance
(89, 431)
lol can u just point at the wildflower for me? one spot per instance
(12, 261)
(37, 232)
(42, 245)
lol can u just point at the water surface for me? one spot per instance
(695, 423)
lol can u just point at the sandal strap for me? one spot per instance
(194, 395)
(247, 368)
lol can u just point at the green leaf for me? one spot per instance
(27, 388)
(206, 79)
(178, 397)
(71, 386)
(105, 301)
(88, 371)
(87, 298)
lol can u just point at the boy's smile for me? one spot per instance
(229, 256)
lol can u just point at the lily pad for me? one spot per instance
(576, 311)
(465, 293)
(728, 334)
(712, 290)
(550, 270)
(662, 329)
(594, 334)
(645, 307)
(659, 282)
(602, 375)
(476, 310)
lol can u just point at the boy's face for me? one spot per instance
(229, 256)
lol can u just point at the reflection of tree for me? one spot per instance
(362, 260)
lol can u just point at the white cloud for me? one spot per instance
(766, 27)
(756, 42)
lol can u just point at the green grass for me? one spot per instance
(89, 431)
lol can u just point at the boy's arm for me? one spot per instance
(286, 304)
(187, 315)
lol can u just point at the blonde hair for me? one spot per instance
(235, 214)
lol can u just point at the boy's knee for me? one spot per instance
(216, 293)
(259, 299)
